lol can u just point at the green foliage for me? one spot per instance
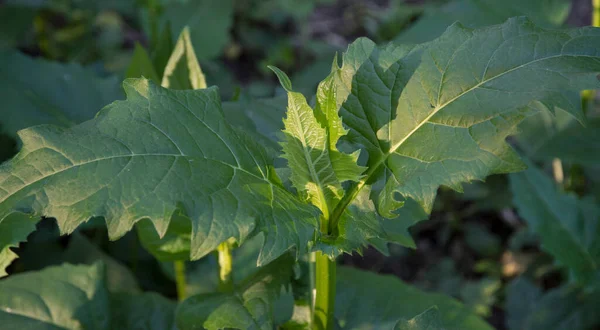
(76, 297)
(68, 297)
(250, 306)
(201, 16)
(574, 144)
(367, 298)
(569, 227)
(61, 94)
(357, 164)
(561, 308)
(479, 13)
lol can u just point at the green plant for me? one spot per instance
(388, 127)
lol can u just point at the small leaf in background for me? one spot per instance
(381, 300)
(250, 306)
(141, 65)
(118, 277)
(209, 22)
(428, 320)
(147, 311)
(562, 308)
(569, 228)
(479, 13)
(574, 144)
(183, 70)
(60, 94)
(60, 297)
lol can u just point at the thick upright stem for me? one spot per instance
(180, 279)
(225, 267)
(323, 316)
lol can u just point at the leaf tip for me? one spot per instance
(284, 80)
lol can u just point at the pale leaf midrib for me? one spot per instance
(309, 161)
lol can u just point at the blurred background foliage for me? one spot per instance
(483, 247)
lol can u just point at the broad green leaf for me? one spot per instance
(146, 157)
(148, 311)
(371, 301)
(438, 114)
(428, 320)
(37, 91)
(141, 65)
(479, 13)
(60, 297)
(183, 70)
(250, 306)
(562, 308)
(574, 144)
(317, 167)
(569, 228)
(13, 229)
(209, 22)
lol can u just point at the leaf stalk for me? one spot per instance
(180, 284)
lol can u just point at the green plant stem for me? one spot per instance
(323, 314)
(596, 13)
(180, 279)
(225, 267)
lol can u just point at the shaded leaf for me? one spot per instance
(371, 301)
(148, 311)
(569, 228)
(250, 306)
(60, 297)
(479, 13)
(141, 65)
(562, 308)
(574, 144)
(201, 16)
(118, 277)
(37, 91)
